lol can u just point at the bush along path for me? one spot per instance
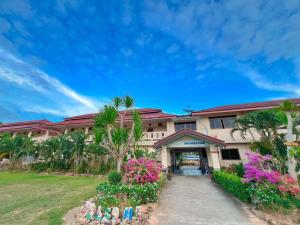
(262, 187)
(124, 199)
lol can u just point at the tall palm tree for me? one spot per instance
(116, 138)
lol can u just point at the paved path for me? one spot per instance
(195, 200)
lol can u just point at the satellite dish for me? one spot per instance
(188, 110)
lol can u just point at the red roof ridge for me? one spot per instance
(28, 122)
(245, 106)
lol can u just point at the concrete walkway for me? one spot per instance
(195, 200)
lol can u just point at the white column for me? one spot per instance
(47, 134)
(87, 130)
(215, 157)
(170, 127)
(165, 158)
(14, 134)
(29, 133)
(66, 130)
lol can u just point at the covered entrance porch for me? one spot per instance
(189, 152)
(189, 161)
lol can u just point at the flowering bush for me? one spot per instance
(142, 170)
(288, 185)
(259, 169)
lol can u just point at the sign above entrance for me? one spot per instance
(194, 143)
(188, 142)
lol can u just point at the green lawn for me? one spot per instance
(38, 199)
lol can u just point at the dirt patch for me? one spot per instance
(276, 218)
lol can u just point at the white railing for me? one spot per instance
(154, 136)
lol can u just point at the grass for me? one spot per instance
(41, 199)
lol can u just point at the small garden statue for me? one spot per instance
(99, 215)
(107, 216)
(139, 215)
(115, 216)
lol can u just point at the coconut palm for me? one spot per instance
(113, 136)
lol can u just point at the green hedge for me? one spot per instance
(261, 195)
(111, 195)
(232, 184)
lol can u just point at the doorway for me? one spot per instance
(189, 162)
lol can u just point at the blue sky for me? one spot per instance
(62, 58)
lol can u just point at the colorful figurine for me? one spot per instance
(115, 216)
(126, 213)
(138, 213)
(130, 214)
(99, 215)
(106, 218)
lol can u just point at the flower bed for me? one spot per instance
(141, 184)
(261, 186)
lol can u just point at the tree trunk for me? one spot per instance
(291, 163)
(119, 165)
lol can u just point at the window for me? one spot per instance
(185, 125)
(150, 129)
(230, 154)
(221, 122)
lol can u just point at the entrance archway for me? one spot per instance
(189, 140)
(189, 161)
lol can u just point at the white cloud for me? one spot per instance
(235, 30)
(259, 81)
(46, 94)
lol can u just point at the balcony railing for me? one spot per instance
(154, 136)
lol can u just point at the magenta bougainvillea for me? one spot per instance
(259, 170)
(142, 170)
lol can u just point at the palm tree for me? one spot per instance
(290, 110)
(116, 138)
(269, 141)
(78, 140)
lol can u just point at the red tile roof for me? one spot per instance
(87, 119)
(244, 107)
(29, 122)
(34, 125)
(191, 133)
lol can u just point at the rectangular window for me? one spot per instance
(185, 125)
(222, 122)
(230, 154)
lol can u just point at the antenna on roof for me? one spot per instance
(188, 110)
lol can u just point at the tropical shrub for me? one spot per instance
(232, 184)
(141, 171)
(114, 177)
(259, 169)
(261, 194)
(115, 194)
(239, 169)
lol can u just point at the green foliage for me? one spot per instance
(268, 196)
(140, 153)
(55, 166)
(263, 195)
(239, 169)
(112, 195)
(232, 184)
(114, 177)
(110, 132)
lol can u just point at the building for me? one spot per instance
(207, 132)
